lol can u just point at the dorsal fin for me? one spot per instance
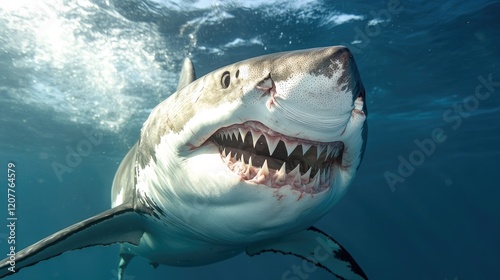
(187, 74)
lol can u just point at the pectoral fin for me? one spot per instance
(315, 247)
(120, 224)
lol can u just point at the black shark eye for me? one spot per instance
(226, 79)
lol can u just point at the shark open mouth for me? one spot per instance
(262, 156)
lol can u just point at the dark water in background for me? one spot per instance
(71, 66)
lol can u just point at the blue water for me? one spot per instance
(72, 66)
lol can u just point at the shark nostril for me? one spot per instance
(266, 84)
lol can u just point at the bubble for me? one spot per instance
(43, 155)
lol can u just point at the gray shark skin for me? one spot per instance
(244, 159)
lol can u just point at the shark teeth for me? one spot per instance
(281, 175)
(272, 143)
(305, 147)
(278, 178)
(262, 156)
(290, 146)
(333, 149)
(243, 132)
(255, 137)
(319, 150)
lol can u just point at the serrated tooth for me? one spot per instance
(328, 173)
(321, 176)
(294, 172)
(255, 136)
(264, 168)
(320, 149)
(224, 152)
(314, 182)
(305, 148)
(281, 174)
(305, 178)
(242, 159)
(241, 167)
(329, 150)
(228, 157)
(290, 146)
(297, 180)
(272, 143)
(243, 133)
(263, 172)
(282, 169)
(250, 161)
(227, 134)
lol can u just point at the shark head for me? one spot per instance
(258, 148)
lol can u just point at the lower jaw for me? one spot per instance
(277, 179)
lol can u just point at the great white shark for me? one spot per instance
(244, 159)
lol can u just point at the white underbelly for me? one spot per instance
(174, 248)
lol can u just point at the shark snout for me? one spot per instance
(315, 89)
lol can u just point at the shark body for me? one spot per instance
(245, 159)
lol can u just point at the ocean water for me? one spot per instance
(424, 204)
